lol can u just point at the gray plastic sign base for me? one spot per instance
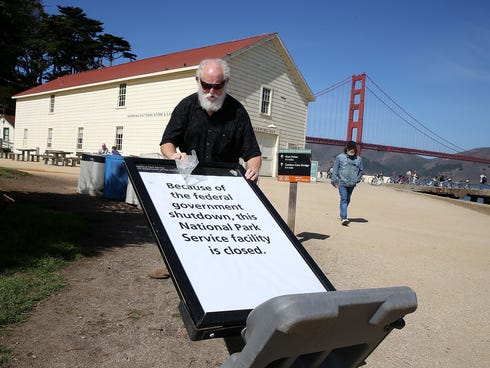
(332, 329)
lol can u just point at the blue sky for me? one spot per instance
(431, 56)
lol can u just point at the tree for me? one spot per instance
(114, 47)
(73, 46)
(76, 44)
(36, 47)
(19, 27)
(31, 63)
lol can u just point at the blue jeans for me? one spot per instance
(345, 194)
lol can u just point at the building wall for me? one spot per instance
(150, 101)
(286, 126)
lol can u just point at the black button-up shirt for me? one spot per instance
(225, 136)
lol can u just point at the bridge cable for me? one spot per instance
(408, 122)
(333, 86)
(454, 146)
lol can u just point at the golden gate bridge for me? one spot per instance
(373, 116)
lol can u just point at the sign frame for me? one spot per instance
(294, 165)
(207, 324)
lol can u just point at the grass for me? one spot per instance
(36, 243)
(6, 172)
(4, 357)
(32, 233)
(20, 290)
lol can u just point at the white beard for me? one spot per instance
(211, 106)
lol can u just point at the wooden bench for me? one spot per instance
(56, 160)
(71, 161)
(7, 154)
(47, 157)
(35, 157)
(63, 160)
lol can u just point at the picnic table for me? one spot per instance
(25, 153)
(56, 156)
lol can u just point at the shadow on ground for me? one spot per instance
(111, 223)
(358, 220)
(304, 236)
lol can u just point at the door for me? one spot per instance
(267, 143)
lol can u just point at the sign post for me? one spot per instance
(293, 193)
(294, 167)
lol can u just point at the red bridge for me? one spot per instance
(327, 117)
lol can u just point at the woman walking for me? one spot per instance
(347, 172)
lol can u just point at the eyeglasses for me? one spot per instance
(210, 85)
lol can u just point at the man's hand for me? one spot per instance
(252, 175)
(170, 152)
(253, 167)
(182, 156)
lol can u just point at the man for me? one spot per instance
(103, 150)
(212, 123)
(347, 172)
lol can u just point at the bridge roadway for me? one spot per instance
(458, 193)
(412, 151)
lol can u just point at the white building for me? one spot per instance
(129, 105)
(7, 124)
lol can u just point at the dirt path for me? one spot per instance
(112, 314)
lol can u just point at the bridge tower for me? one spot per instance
(356, 109)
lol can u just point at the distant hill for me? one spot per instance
(390, 163)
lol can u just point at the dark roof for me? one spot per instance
(156, 64)
(10, 119)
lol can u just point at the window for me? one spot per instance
(51, 104)
(119, 138)
(80, 138)
(294, 146)
(6, 134)
(50, 138)
(24, 139)
(265, 104)
(121, 100)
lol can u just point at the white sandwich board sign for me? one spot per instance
(225, 246)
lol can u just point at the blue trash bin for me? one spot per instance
(115, 178)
